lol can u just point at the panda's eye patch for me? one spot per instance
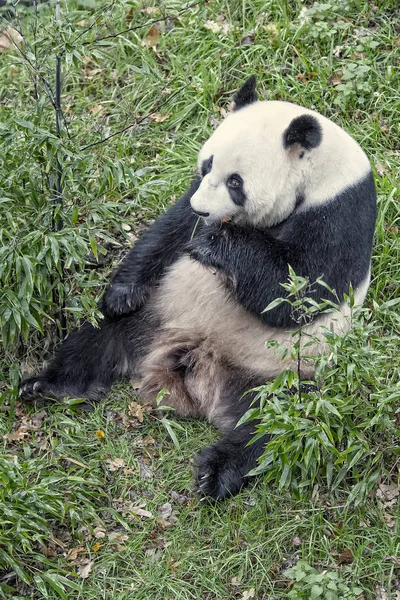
(235, 185)
(234, 182)
(207, 166)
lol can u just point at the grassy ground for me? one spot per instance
(99, 505)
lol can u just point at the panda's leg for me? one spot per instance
(91, 359)
(222, 468)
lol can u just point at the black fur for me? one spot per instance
(304, 130)
(221, 469)
(247, 94)
(146, 262)
(333, 240)
(91, 359)
(207, 166)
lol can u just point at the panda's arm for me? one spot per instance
(150, 256)
(255, 262)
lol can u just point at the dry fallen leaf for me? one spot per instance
(222, 111)
(152, 38)
(181, 498)
(380, 172)
(99, 533)
(84, 569)
(247, 40)
(337, 51)
(272, 29)
(140, 512)
(163, 523)
(96, 109)
(389, 520)
(296, 541)
(165, 510)
(146, 470)
(381, 593)
(143, 442)
(384, 127)
(346, 557)
(10, 38)
(37, 419)
(136, 410)
(393, 559)
(236, 582)
(248, 594)
(118, 537)
(72, 553)
(15, 436)
(26, 425)
(387, 493)
(336, 78)
(48, 551)
(301, 77)
(218, 26)
(114, 465)
(151, 10)
(158, 118)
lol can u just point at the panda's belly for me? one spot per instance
(193, 300)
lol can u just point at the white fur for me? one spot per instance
(250, 142)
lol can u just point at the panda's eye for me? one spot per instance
(234, 182)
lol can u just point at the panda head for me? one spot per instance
(267, 159)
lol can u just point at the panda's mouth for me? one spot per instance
(219, 221)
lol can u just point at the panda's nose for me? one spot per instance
(201, 214)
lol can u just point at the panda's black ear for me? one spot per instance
(246, 95)
(304, 130)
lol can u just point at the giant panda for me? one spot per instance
(277, 185)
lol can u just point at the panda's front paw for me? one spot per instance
(218, 475)
(123, 298)
(210, 247)
(33, 388)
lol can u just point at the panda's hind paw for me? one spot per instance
(217, 476)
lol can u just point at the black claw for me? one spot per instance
(32, 388)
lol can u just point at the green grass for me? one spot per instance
(57, 486)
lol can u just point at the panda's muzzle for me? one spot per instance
(201, 214)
